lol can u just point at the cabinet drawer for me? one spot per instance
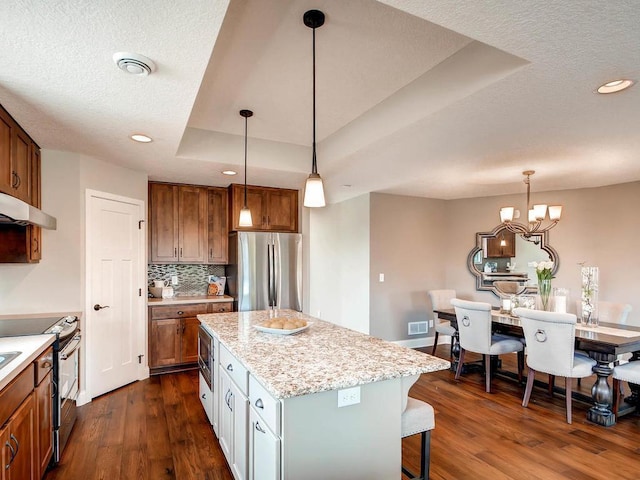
(235, 369)
(43, 364)
(267, 407)
(15, 393)
(221, 307)
(178, 311)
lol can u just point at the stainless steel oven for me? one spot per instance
(67, 391)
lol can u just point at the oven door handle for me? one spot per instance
(73, 345)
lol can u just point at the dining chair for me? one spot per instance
(441, 299)
(550, 338)
(629, 372)
(474, 329)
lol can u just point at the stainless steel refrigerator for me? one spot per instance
(265, 270)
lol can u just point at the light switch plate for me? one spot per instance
(174, 279)
(348, 396)
(381, 277)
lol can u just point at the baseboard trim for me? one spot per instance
(422, 342)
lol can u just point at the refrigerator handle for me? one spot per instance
(269, 275)
(275, 276)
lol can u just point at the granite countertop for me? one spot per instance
(192, 299)
(323, 357)
(31, 347)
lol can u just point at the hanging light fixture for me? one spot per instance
(314, 190)
(245, 213)
(535, 214)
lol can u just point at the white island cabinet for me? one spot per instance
(323, 404)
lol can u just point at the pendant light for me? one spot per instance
(314, 190)
(245, 214)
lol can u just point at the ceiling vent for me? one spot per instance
(134, 63)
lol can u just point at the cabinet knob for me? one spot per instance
(180, 312)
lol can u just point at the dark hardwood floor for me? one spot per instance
(156, 429)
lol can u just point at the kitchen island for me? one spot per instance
(324, 403)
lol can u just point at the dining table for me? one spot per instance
(603, 343)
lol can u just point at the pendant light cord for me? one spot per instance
(314, 166)
(245, 162)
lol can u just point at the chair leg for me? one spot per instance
(425, 459)
(527, 391)
(569, 382)
(520, 365)
(435, 344)
(460, 361)
(487, 373)
(616, 396)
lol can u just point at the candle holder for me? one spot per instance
(560, 298)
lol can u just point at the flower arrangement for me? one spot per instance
(544, 272)
(589, 296)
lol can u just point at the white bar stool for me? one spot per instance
(418, 417)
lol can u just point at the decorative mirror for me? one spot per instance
(500, 261)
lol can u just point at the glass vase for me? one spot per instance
(544, 289)
(589, 297)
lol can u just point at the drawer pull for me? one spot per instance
(230, 367)
(259, 403)
(46, 364)
(259, 428)
(180, 312)
(204, 396)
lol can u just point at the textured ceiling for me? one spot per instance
(440, 99)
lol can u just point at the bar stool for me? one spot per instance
(418, 417)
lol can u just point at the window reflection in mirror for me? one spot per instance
(502, 256)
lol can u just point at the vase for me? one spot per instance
(589, 297)
(544, 288)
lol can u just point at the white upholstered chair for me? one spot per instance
(550, 341)
(629, 372)
(474, 329)
(417, 417)
(442, 299)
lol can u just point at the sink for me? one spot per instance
(6, 357)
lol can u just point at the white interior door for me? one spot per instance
(115, 325)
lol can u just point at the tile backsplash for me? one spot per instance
(192, 279)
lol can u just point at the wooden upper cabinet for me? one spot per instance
(163, 222)
(272, 209)
(179, 224)
(15, 158)
(495, 250)
(192, 224)
(218, 225)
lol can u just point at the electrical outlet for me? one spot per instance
(381, 277)
(348, 396)
(174, 279)
(319, 314)
(430, 323)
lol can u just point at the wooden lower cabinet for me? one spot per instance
(173, 334)
(18, 459)
(44, 427)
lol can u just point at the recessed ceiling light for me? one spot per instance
(139, 137)
(229, 172)
(615, 86)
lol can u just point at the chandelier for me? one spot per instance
(536, 215)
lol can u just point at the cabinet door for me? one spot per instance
(218, 227)
(44, 425)
(164, 342)
(282, 210)
(5, 454)
(163, 223)
(35, 233)
(192, 224)
(240, 446)
(496, 250)
(21, 165)
(21, 428)
(6, 127)
(189, 340)
(225, 418)
(264, 450)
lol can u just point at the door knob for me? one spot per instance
(97, 307)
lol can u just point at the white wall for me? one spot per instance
(339, 263)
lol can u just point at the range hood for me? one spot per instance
(15, 211)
